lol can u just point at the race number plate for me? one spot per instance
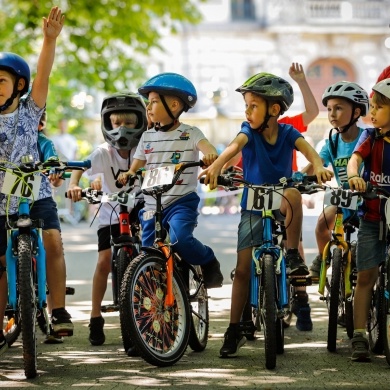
(340, 198)
(22, 185)
(158, 176)
(264, 198)
(119, 197)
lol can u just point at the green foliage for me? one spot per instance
(102, 47)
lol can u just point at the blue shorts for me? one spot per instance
(45, 209)
(250, 229)
(371, 251)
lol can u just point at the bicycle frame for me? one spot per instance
(268, 247)
(338, 240)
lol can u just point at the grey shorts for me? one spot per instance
(371, 251)
(250, 229)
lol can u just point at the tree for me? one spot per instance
(102, 47)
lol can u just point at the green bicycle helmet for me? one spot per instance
(271, 88)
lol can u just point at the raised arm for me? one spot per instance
(51, 27)
(311, 108)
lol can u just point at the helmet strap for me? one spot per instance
(169, 126)
(267, 117)
(10, 100)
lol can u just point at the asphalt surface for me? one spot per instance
(305, 364)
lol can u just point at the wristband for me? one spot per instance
(351, 177)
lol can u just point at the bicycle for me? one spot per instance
(25, 254)
(337, 256)
(269, 284)
(125, 247)
(164, 303)
(378, 323)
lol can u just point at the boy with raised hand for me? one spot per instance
(373, 149)
(170, 142)
(267, 149)
(19, 122)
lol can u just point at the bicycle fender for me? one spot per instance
(153, 251)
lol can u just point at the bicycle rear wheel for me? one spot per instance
(268, 310)
(199, 304)
(160, 334)
(375, 317)
(28, 310)
(334, 300)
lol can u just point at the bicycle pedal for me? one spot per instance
(109, 308)
(300, 281)
(69, 291)
(63, 333)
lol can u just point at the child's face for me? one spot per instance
(126, 119)
(156, 110)
(339, 112)
(380, 115)
(7, 81)
(255, 109)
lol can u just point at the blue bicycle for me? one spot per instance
(25, 255)
(269, 291)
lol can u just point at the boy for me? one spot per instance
(168, 143)
(267, 149)
(346, 102)
(373, 149)
(19, 132)
(123, 120)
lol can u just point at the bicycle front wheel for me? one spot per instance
(28, 309)
(159, 333)
(268, 311)
(334, 299)
(199, 304)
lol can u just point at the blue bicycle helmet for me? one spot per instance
(16, 65)
(171, 84)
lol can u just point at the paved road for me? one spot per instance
(306, 363)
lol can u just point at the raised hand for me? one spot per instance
(52, 25)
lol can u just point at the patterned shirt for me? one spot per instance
(161, 149)
(18, 137)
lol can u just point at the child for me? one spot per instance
(346, 102)
(123, 120)
(267, 149)
(373, 149)
(19, 132)
(168, 143)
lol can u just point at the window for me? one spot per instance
(243, 10)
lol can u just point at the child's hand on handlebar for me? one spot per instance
(357, 183)
(74, 192)
(323, 174)
(208, 159)
(124, 177)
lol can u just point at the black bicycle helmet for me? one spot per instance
(271, 88)
(349, 91)
(16, 65)
(123, 137)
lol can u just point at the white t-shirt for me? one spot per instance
(160, 149)
(106, 162)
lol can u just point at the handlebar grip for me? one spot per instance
(66, 175)
(79, 164)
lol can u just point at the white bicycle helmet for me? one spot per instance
(350, 91)
(123, 137)
(383, 87)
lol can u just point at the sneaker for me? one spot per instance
(96, 334)
(61, 323)
(295, 264)
(234, 340)
(360, 352)
(3, 345)
(301, 309)
(53, 338)
(315, 268)
(212, 275)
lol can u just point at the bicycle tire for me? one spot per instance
(11, 327)
(349, 316)
(375, 316)
(268, 310)
(288, 313)
(335, 286)
(160, 335)
(199, 305)
(386, 311)
(122, 261)
(27, 305)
